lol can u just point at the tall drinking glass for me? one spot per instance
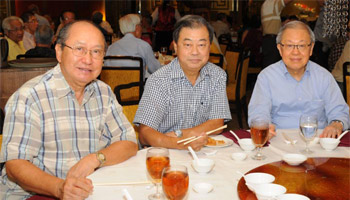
(157, 160)
(259, 130)
(175, 181)
(308, 129)
(164, 50)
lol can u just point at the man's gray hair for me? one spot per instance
(43, 34)
(127, 24)
(64, 33)
(294, 25)
(192, 21)
(6, 24)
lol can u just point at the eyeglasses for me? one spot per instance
(17, 29)
(300, 47)
(33, 21)
(82, 51)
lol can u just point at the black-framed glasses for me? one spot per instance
(300, 47)
(82, 51)
(17, 29)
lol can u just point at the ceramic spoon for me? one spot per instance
(234, 134)
(341, 135)
(193, 154)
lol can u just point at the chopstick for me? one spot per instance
(123, 183)
(193, 138)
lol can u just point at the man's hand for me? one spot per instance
(333, 130)
(272, 131)
(84, 167)
(75, 188)
(198, 144)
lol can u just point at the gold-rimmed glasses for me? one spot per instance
(81, 51)
(300, 47)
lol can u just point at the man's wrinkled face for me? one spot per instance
(193, 48)
(16, 31)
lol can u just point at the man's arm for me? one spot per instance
(31, 178)
(152, 137)
(115, 153)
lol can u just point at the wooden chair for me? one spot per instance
(346, 81)
(23, 56)
(236, 89)
(223, 48)
(216, 59)
(118, 76)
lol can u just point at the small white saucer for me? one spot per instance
(203, 188)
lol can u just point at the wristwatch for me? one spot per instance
(178, 133)
(101, 158)
(338, 121)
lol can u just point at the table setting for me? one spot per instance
(221, 169)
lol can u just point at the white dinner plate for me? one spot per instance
(228, 142)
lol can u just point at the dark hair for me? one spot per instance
(66, 11)
(64, 32)
(26, 15)
(192, 21)
(43, 34)
(97, 17)
(221, 16)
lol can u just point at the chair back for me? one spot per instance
(223, 48)
(242, 74)
(216, 59)
(232, 63)
(116, 76)
(23, 56)
(130, 112)
(346, 81)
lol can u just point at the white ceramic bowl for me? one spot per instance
(246, 144)
(239, 156)
(329, 144)
(268, 191)
(294, 159)
(203, 188)
(291, 196)
(258, 178)
(204, 165)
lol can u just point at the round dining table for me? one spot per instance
(131, 175)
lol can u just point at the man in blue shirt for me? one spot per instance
(295, 85)
(132, 45)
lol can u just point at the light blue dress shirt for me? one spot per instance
(282, 99)
(129, 45)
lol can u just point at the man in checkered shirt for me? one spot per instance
(187, 97)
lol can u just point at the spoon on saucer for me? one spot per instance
(234, 134)
(194, 155)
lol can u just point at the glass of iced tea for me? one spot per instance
(157, 159)
(175, 181)
(259, 130)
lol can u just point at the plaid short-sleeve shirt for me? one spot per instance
(171, 102)
(47, 126)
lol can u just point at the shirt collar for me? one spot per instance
(179, 73)
(287, 74)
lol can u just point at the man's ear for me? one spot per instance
(312, 48)
(175, 46)
(58, 49)
(279, 47)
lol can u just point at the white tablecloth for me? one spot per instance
(223, 176)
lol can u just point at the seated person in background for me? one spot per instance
(63, 125)
(337, 72)
(97, 19)
(293, 86)
(102, 23)
(132, 45)
(30, 26)
(221, 25)
(186, 97)
(43, 37)
(65, 18)
(13, 29)
(147, 33)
